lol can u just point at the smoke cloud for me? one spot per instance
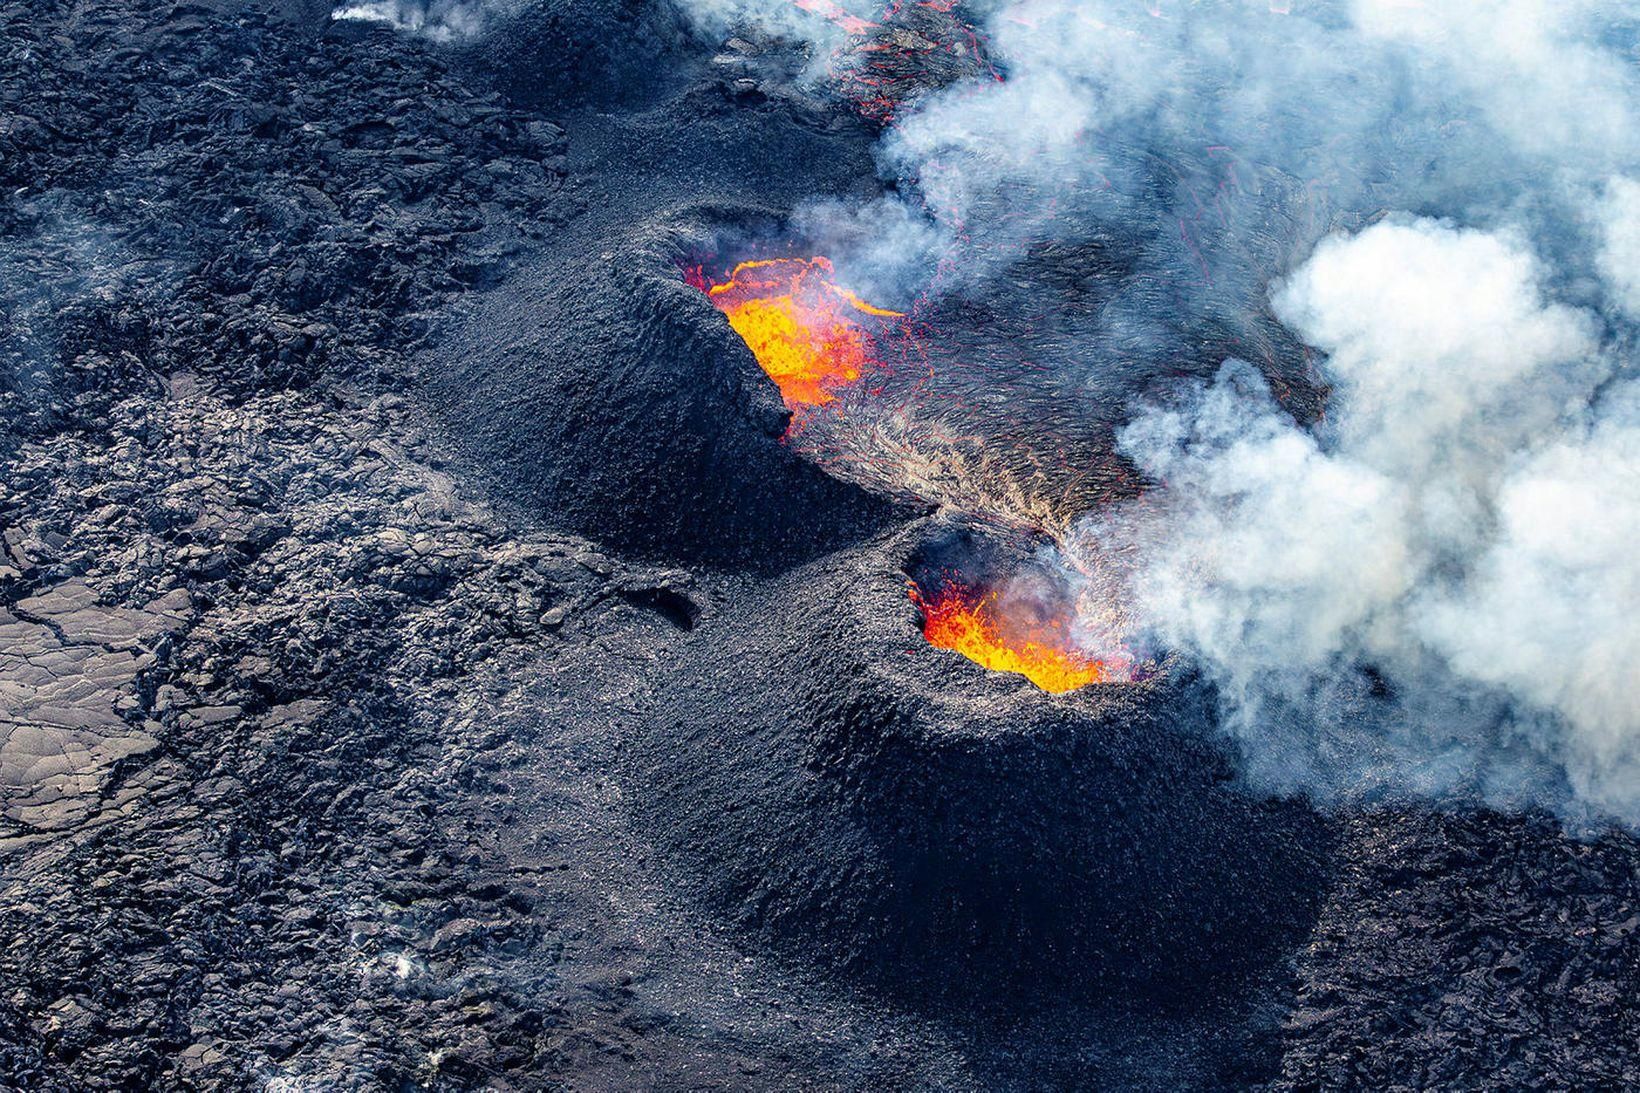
(1431, 590)
(439, 20)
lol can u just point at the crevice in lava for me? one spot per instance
(671, 605)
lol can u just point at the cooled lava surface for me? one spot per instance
(446, 645)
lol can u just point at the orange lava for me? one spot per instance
(961, 621)
(802, 327)
(830, 9)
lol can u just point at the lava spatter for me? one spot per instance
(971, 622)
(808, 333)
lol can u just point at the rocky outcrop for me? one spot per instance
(70, 706)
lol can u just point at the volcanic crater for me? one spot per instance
(882, 805)
(633, 412)
(439, 652)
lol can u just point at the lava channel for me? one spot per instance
(803, 328)
(972, 623)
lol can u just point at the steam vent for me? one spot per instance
(819, 545)
(942, 829)
(627, 405)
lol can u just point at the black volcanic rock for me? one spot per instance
(623, 406)
(914, 49)
(330, 756)
(573, 53)
(855, 795)
(1469, 949)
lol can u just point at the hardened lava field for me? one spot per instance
(615, 544)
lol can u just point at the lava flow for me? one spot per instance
(803, 328)
(968, 623)
(836, 13)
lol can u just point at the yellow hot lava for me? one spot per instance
(958, 620)
(832, 10)
(802, 327)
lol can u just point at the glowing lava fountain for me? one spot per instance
(803, 328)
(975, 625)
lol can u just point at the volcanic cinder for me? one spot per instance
(634, 415)
(445, 645)
(952, 832)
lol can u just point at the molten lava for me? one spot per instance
(836, 13)
(803, 328)
(970, 624)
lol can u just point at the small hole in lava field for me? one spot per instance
(669, 604)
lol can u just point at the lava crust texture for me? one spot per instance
(860, 795)
(634, 414)
(423, 664)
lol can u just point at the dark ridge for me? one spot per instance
(848, 793)
(620, 404)
(569, 54)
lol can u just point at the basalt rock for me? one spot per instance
(558, 53)
(321, 767)
(847, 791)
(623, 406)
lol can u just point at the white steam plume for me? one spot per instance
(1432, 590)
(439, 20)
(1548, 611)
(1456, 537)
(1619, 252)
